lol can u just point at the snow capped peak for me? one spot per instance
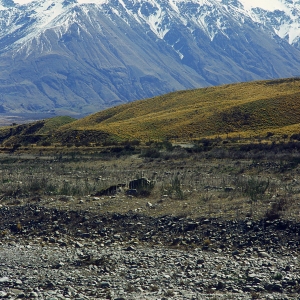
(93, 1)
(66, 54)
(79, 1)
(212, 16)
(264, 4)
(281, 15)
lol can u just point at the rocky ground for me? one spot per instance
(50, 254)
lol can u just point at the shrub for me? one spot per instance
(206, 242)
(46, 144)
(130, 288)
(151, 153)
(176, 187)
(255, 295)
(295, 136)
(131, 143)
(15, 147)
(169, 293)
(276, 210)
(255, 188)
(168, 146)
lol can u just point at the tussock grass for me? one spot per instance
(32, 133)
(198, 185)
(243, 109)
(52, 124)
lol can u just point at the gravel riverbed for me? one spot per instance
(75, 255)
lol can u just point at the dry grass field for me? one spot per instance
(219, 183)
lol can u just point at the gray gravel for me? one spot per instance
(53, 254)
(68, 268)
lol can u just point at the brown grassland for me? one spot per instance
(217, 183)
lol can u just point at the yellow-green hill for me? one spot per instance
(32, 132)
(245, 109)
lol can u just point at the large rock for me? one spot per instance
(140, 183)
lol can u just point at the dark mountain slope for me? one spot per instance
(66, 57)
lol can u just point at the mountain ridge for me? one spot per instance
(70, 57)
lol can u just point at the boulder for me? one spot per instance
(139, 183)
(112, 190)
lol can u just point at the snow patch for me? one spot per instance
(79, 1)
(154, 21)
(291, 32)
(269, 5)
(173, 4)
(47, 13)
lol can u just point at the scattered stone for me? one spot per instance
(78, 245)
(130, 248)
(149, 205)
(228, 189)
(133, 256)
(4, 279)
(34, 295)
(3, 294)
(263, 254)
(104, 285)
(112, 190)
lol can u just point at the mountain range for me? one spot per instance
(70, 57)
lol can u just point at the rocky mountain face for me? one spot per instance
(71, 57)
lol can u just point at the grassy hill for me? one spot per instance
(32, 132)
(243, 109)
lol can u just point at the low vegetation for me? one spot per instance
(237, 110)
(233, 183)
(39, 132)
(268, 110)
(229, 152)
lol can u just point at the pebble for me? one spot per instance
(148, 272)
(4, 279)
(3, 294)
(263, 254)
(136, 257)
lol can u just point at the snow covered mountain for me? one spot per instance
(82, 56)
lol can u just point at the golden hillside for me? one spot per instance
(245, 109)
(32, 132)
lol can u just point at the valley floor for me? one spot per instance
(198, 233)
